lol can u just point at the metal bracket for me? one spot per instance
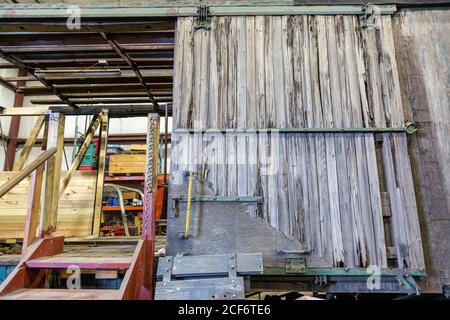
(295, 265)
(211, 198)
(410, 127)
(303, 251)
(408, 282)
(203, 19)
(371, 15)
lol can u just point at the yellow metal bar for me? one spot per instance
(188, 210)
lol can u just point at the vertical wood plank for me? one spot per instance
(100, 172)
(55, 138)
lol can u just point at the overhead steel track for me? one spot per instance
(133, 65)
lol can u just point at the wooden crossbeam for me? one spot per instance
(11, 183)
(34, 204)
(34, 111)
(132, 64)
(18, 165)
(100, 172)
(79, 157)
(122, 110)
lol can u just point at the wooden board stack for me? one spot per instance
(323, 189)
(126, 164)
(76, 207)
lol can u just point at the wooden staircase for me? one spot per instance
(29, 280)
(32, 277)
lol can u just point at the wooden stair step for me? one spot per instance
(63, 261)
(62, 294)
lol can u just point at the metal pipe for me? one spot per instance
(122, 207)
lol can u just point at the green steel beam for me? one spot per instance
(353, 272)
(293, 130)
(8, 11)
(207, 198)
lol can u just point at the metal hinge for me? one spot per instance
(409, 284)
(203, 19)
(371, 16)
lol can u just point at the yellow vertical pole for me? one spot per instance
(188, 210)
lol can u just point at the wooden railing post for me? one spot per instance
(55, 138)
(100, 172)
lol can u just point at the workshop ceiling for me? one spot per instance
(106, 62)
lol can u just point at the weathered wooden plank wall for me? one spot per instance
(423, 48)
(301, 72)
(76, 206)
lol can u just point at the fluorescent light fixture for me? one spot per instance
(80, 73)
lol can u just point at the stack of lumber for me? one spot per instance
(76, 207)
(123, 163)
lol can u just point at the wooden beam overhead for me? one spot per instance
(115, 100)
(70, 38)
(93, 88)
(51, 88)
(85, 48)
(122, 110)
(87, 25)
(132, 64)
(110, 94)
(72, 75)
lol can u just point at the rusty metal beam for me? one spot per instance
(14, 127)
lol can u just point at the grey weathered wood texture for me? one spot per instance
(423, 48)
(324, 189)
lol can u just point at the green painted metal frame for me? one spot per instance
(352, 272)
(209, 198)
(293, 130)
(182, 9)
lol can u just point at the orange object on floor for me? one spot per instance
(160, 196)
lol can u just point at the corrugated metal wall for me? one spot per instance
(324, 189)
